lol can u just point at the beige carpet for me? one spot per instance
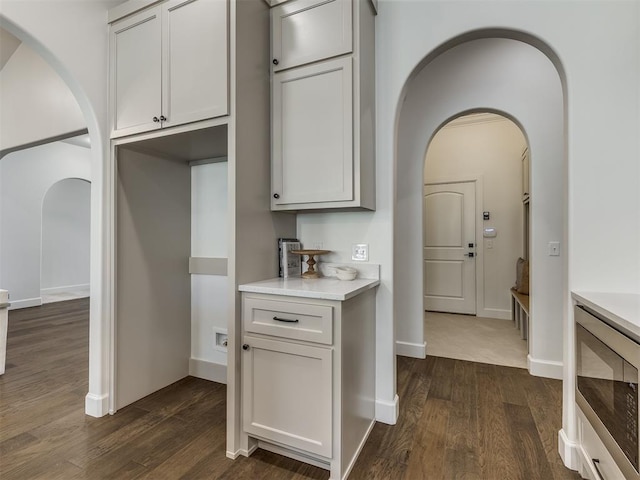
(484, 340)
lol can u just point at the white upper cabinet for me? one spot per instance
(323, 105)
(195, 41)
(312, 133)
(169, 66)
(136, 73)
(306, 31)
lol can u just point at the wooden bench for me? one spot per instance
(520, 312)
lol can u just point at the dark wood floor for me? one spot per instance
(459, 420)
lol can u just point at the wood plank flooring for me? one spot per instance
(459, 420)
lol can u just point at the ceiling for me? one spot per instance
(8, 45)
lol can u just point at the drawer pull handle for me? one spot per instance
(286, 320)
(596, 465)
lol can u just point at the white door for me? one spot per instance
(312, 136)
(449, 248)
(195, 73)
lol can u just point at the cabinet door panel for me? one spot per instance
(195, 77)
(313, 133)
(136, 73)
(287, 394)
(305, 31)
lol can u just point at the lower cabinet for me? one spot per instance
(287, 393)
(308, 377)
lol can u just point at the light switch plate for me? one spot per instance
(554, 249)
(360, 252)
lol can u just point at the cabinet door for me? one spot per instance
(305, 31)
(135, 56)
(287, 393)
(195, 73)
(313, 134)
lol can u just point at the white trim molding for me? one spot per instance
(568, 451)
(413, 350)
(499, 313)
(84, 288)
(96, 405)
(27, 302)
(207, 370)
(545, 368)
(387, 412)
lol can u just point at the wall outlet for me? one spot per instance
(221, 339)
(360, 252)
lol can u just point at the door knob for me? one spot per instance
(245, 346)
(275, 61)
(276, 196)
(470, 255)
(156, 119)
(163, 118)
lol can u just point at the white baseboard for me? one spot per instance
(96, 405)
(27, 302)
(244, 453)
(414, 350)
(387, 412)
(495, 313)
(84, 288)
(206, 370)
(568, 451)
(545, 368)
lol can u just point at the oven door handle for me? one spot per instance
(596, 465)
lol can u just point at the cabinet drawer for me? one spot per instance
(298, 321)
(305, 31)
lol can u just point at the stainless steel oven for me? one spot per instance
(607, 364)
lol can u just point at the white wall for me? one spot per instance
(66, 216)
(599, 52)
(209, 293)
(34, 101)
(25, 177)
(490, 147)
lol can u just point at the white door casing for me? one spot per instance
(449, 247)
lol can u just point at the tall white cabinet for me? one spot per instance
(169, 66)
(323, 99)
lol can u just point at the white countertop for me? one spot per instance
(623, 309)
(325, 288)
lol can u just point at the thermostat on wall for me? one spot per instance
(490, 232)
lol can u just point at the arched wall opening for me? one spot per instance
(479, 153)
(97, 399)
(66, 218)
(486, 71)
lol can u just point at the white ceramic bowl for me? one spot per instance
(346, 273)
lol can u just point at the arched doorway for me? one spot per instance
(66, 215)
(474, 233)
(97, 399)
(500, 74)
